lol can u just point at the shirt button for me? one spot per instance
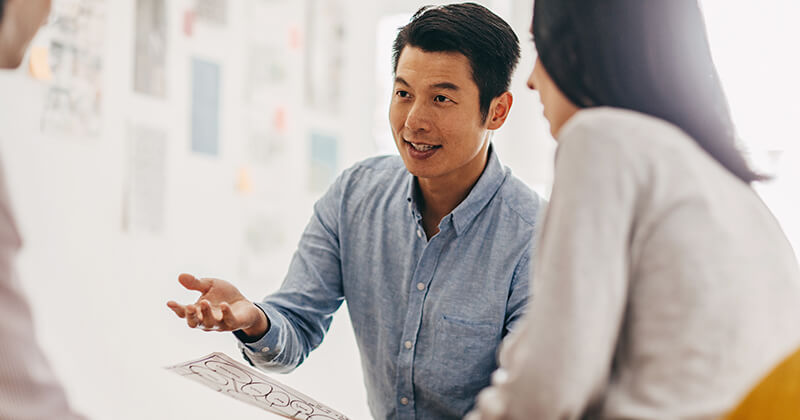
(265, 349)
(404, 401)
(419, 233)
(420, 286)
(408, 345)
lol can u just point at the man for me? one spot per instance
(28, 388)
(430, 249)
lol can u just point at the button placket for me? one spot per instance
(420, 279)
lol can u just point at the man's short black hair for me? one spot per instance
(488, 42)
(2, 6)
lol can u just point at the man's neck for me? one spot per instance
(442, 195)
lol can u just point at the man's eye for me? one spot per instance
(441, 98)
(402, 94)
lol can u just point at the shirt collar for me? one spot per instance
(482, 192)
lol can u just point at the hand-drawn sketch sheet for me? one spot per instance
(225, 375)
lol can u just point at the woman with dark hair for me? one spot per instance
(664, 288)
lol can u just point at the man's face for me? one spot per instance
(21, 20)
(435, 114)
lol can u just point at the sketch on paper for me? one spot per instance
(324, 161)
(212, 11)
(265, 239)
(205, 107)
(325, 32)
(144, 195)
(150, 60)
(266, 71)
(266, 134)
(73, 101)
(268, 81)
(227, 376)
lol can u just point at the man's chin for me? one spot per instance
(419, 170)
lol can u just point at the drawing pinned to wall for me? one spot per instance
(144, 194)
(76, 36)
(212, 11)
(267, 137)
(266, 70)
(324, 161)
(265, 239)
(269, 80)
(150, 58)
(325, 33)
(205, 107)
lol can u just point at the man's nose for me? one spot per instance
(418, 118)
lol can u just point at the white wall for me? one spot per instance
(98, 292)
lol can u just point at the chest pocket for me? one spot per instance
(465, 351)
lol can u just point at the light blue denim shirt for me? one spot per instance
(428, 315)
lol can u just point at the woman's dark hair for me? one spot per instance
(488, 42)
(650, 56)
(2, 6)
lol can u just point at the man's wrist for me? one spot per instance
(258, 330)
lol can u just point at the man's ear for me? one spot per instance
(499, 109)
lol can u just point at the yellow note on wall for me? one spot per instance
(39, 63)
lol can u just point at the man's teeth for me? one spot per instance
(422, 147)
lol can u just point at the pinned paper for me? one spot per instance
(295, 38)
(279, 120)
(205, 107)
(150, 58)
(244, 183)
(188, 23)
(40, 64)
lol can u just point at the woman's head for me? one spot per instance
(650, 56)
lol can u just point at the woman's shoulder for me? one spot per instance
(632, 137)
(620, 127)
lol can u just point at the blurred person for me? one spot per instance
(665, 289)
(430, 249)
(28, 388)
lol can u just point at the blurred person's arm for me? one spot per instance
(28, 388)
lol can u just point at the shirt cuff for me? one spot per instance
(267, 347)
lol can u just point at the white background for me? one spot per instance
(99, 293)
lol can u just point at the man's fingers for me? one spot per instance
(193, 283)
(176, 307)
(208, 319)
(228, 319)
(192, 316)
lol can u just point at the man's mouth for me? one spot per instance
(422, 147)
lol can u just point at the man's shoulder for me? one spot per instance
(386, 163)
(383, 172)
(520, 199)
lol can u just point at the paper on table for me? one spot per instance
(223, 374)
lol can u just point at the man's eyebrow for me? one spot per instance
(400, 80)
(442, 85)
(447, 86)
